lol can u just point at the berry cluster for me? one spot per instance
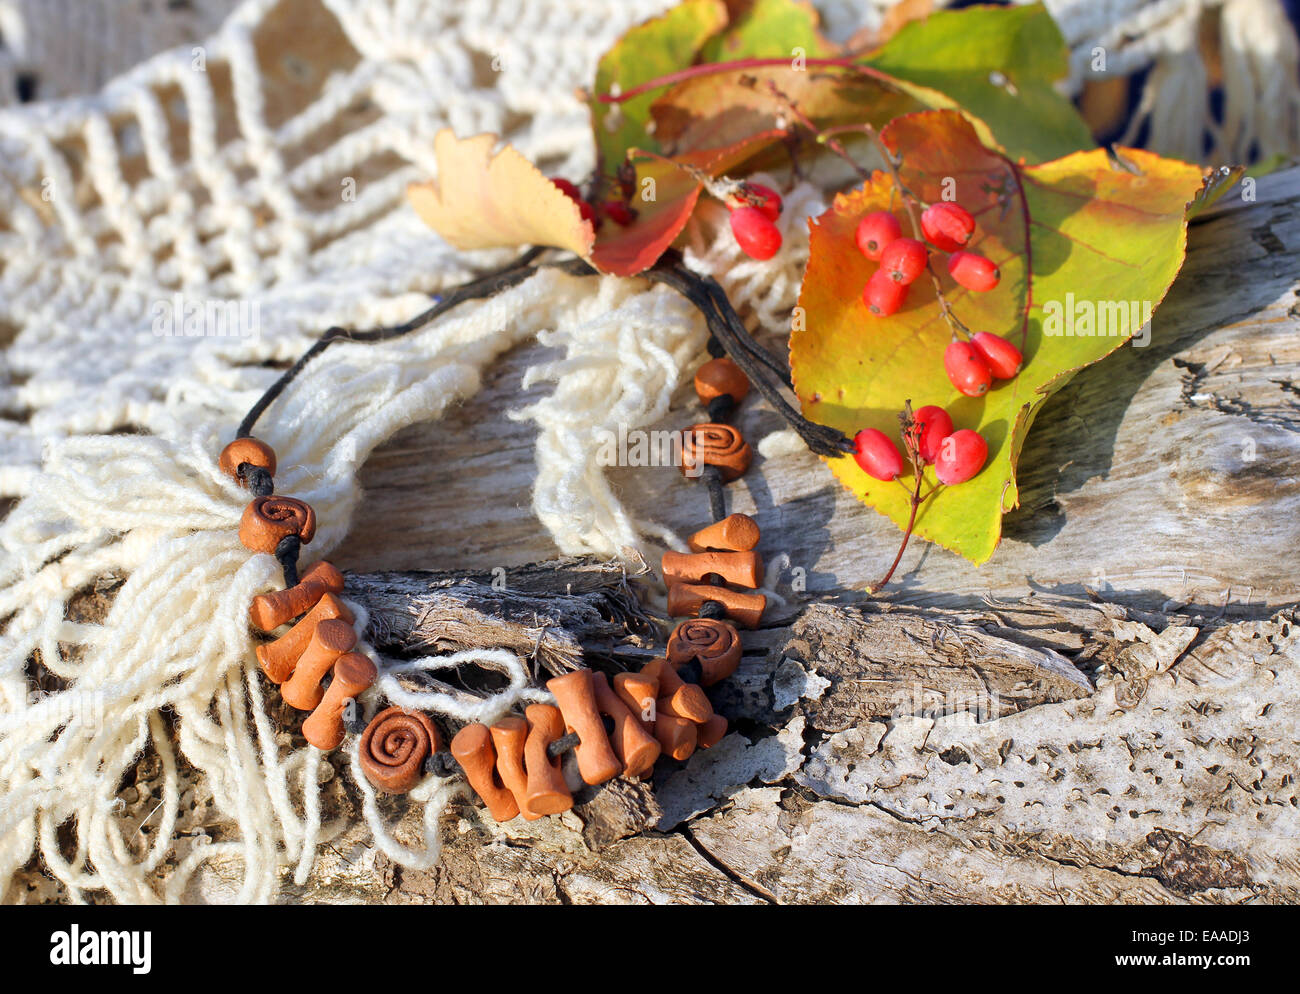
(971, 365)
(617, 211)
(754, 211)
(957, 455)
(946, 226)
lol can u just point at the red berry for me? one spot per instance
(1004, 359)
(619, 212)
(947, 226)
(768, 200)
(877, 455)
(933, 425)
(967, 369)
(973, 271)
(961, 456)
(569, 190)
(883, 295)
(755, 233)
(904, 259)
(875, 231)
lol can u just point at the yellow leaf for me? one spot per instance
(485, 200)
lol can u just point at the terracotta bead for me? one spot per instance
(267, 520)
(270, 611)
(719, 376)
(577, 701)
(394, 748)
(636, 748)
(715, 643)
(677, 736)
(548, 794)
(246, 450)
(332, 638)
(734, 533)
(686, 599)
(472, 748)
(278, 658)
(711, 732)
(353, 675)
(710, 444)
(509, 736)
(638, 692)
(742, 569)
(688, 700)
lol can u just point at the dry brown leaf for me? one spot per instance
(485, 200)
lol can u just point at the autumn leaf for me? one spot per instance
(650, 50)
(667, 191)
(483, 199)
(726, 106)
(692, 34)
(999, 64)
(1085, 232)
(768, 29)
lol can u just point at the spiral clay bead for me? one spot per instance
(394, 747)
(719, 445)
(267, 520)
(713, 642)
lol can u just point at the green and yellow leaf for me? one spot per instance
(1079, 229)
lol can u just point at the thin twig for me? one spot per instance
(712, 68)
(911, 435)
(825, 136)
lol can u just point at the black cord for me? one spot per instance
(722, 407)
(484, 286)
(821, 439)
(257, 478)
(717, 498)
(743, 337)
(287, 552)
(728, 334)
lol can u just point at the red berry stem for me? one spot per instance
(912, 445)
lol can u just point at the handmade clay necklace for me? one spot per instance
(617, 726)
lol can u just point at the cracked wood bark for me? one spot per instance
(552, 612)
(1173, 781)
(1140, 743)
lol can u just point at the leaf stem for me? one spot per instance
(711, 68)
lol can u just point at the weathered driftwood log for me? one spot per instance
(1174, 780)
(1160, 499)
